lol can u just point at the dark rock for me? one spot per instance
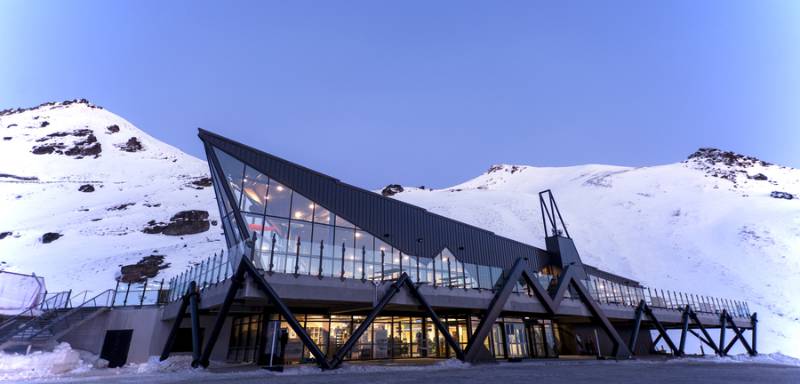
(86, 188)
(23, 178)
(758, 176)
(44, 124)
(714, 155)
(495, 168)
(7, 138)
(132, 145)
(392, 189)
(112, 129)
(50, 237)
(4, 234)
(146, 268)
(201, 183)
(781, 195)
(46, 149)
(11, 125)
(182, 223)
(120, 207)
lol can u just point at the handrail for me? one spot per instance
(77, 309)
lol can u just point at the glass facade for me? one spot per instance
(297, 235)
(391, 337)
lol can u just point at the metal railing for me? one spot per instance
(207, 273)
(609, 292)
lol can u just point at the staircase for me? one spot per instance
(43, 329)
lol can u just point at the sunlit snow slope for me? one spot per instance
(699, 226)
(101, 230)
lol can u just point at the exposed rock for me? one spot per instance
(200, 183)
(112, 129)
(392, 189)
(781, 195)
(22, 178)
(714, 155)
(7, 138)
(51, 104)
(50, 237)
(12, 125)
(86, 188)
(44, 124)
(758, 176)
(87, 147)
(4, 234)
(495, 168)
(132, 145)
(182, 223)
(146, 268)
(47, 149)
(120, 207)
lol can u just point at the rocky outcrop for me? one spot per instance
(50, 104)
(392, 189)
(758, 176)
(3, 235)
(132, 145)
(781, 195)
(86, 188)
(200, 183)
(146, 268)
(182, 223)
(732, 159)
(120, 207)
(111, 129)
(88, 146)
(50, 237)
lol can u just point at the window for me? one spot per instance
(233, 172)
(254, 191)
(276, 231)
(278, 200)
(324, 243)
(322, 215)
(302, 208)
(341, 222)
(345, 250)
(364, 254)
(300, 236)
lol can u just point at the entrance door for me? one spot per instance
(116, 346)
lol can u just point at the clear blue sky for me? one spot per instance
(427, 92)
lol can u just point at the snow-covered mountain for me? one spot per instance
(76, 170)
(709, 225)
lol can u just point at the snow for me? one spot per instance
(96, 241)
(61, 361)
(673, 226)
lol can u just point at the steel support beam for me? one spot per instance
(236, 283)
(708, 339)
(754, 323)
(684, 331)
(739, 334)
(637, 325)
(553, 303)
(189, 297)
(287, 315)
(661, 330)
(722, 321)
(403, 281)
(475, 344)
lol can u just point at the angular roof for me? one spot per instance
(409, 228)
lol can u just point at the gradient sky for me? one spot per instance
(424, 93)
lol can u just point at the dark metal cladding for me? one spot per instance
(411, 229)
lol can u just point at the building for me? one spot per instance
(348, 274)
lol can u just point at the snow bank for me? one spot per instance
(62, 360)
(769, 359)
